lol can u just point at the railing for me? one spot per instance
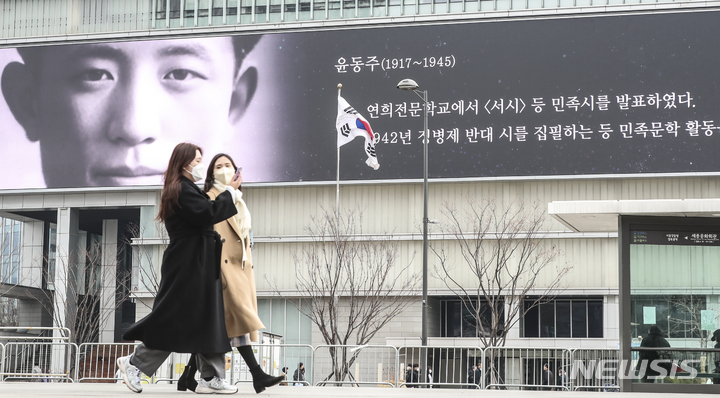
(96, 361)
(365, 365)
(24, 18)
(45, 356)
(524, 367)
(585, 363)
(50, 355)
(448, 364)
(273, 358)
(171, 370)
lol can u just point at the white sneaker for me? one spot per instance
(215, 386)
(131, 374)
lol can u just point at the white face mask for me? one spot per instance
(198, 172)
(224, 175)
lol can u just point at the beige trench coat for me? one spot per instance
(238, 282)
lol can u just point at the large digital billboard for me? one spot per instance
(622, 94)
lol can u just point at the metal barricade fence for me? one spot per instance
(49, 358)
(594, 369)
(38, 361)
(173, 367)
(273, 358)
(364, 365)
(37, 357)
(97, 361)
(523, 367)
(450, 366)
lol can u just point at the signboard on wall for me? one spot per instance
(599, 95)
(675, 238)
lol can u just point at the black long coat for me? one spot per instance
(188, 314)
(654, 339)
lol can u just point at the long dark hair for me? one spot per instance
(182, 155)
(210, 177)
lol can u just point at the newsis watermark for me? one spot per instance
(608, 369)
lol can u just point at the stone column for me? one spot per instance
(108, 280)
(65, 281)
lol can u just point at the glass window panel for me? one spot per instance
(486, 314)
(232, 9)
(52, 255)
(680, 258)
(264, 313)
(595, 318)
(305, 324)
(469, 326)
(452, 320)
(547, 319)
(278, 316)
(579, 318)
(562, 318)
(531, 322)
(292, 328)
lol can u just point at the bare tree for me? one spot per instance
(8, 311)
(353, 284)
(500, 257)
(86, 307)
(685, 317)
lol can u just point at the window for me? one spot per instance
(459, 320)
(49, 266)
(679, 314)
(282, 317)
(563, 318)
(10, 244)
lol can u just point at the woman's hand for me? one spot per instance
(235, 183)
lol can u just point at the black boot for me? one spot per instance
(261, 380)
(187, 379)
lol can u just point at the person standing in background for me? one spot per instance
(547, 377)
(299, 375)
(471, 375)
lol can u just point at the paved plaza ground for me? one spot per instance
(87, 390)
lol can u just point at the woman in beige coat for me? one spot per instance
(238, 279)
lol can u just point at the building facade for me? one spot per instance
(73, 241)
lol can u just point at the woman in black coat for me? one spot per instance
(188, 313)
(654, 339)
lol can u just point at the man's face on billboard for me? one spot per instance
(110, 114)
